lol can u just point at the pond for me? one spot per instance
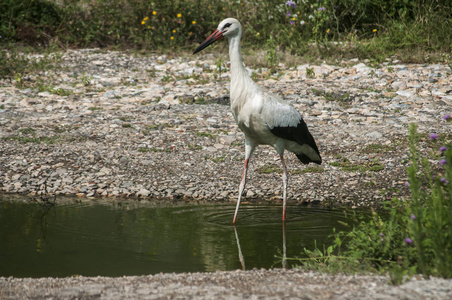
(94, 239)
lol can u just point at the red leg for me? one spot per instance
(241, 188)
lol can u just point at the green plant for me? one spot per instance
(314, 29)
(271, 58)
(219, 66)
(310, 72)
(431, 209)
(407, 237)
(206, 134)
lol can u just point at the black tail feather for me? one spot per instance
(306, 160)
(301, 135)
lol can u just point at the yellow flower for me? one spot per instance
(375, 30)
(149, 27)
(154, 12)
(294, 18)
(193, 22)
(258, 34)
(174, 30)
(328, 31)
(145, 19)
(143, 22)
(172, 37)
(179, 15)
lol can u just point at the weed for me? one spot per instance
(206, 134)
(33, 139)
(194, 147)
(219, 67)
(167, 78)
(378, 148)
(62, 128)
(310, 72)
(27, 130)
(271, 58)
(218, 159)
(314, 169)
(343, 99)
(146, 149)
(348, 166)
(86, 80)
(269, 169)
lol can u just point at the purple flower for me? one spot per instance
(446, 117)
(443, 162)
(407, 183)
(382, 235)
(291, 4)
(408, 241)
(413, 217)
(288, 14)
(321, 8)
(292, 22)
(433, 136)
(442, 149)
(444, 180)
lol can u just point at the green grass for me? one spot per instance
(218, 159)
(272, 169)
(146, 149)
(194, 147)
(269, 169)
(33, 139)
(206, 134)
(343, 99)
(378, 148)
(348, 166)
(27, 130)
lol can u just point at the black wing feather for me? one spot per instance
(301, 135)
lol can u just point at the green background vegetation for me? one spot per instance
(358, 28)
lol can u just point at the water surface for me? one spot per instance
(106, 240)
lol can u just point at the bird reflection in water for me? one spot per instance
(242, 259)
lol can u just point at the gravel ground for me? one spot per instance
(255, 284)
(113, 124)
(130, 127)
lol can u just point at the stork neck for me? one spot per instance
(239, 75)
(238, 69)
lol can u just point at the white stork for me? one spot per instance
(264, 118)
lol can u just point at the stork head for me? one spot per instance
(229, 27)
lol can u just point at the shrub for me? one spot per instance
(364, 27)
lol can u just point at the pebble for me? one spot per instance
(238, 284)
(131, 132)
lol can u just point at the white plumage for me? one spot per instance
(264, 118)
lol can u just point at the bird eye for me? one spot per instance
(227, 25)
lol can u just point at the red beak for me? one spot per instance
(215, 36)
